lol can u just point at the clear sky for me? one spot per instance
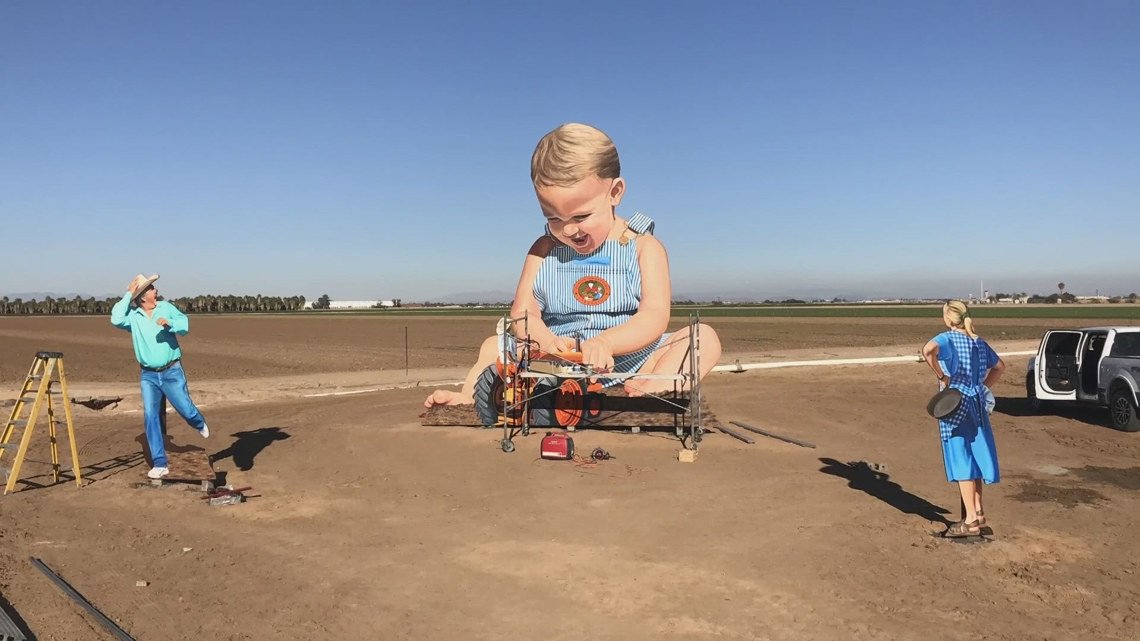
(381, 149)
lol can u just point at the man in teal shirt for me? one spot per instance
(155, 326)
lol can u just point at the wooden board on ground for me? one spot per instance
(192, 465)
(617, 410)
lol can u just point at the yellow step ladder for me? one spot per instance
(46, 385)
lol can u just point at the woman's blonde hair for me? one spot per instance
(957, 314)
(571, 153)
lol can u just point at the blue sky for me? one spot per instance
(380, 150)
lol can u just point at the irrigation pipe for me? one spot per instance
(743, 367)
(79, 599)
(386, 387)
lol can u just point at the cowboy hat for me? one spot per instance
(139, 284)
(944, 403)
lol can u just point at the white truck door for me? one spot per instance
(1058, 365)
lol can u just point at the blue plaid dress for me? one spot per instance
(968, 448)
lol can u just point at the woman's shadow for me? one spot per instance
(861, 476)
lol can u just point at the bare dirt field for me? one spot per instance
(368, 525)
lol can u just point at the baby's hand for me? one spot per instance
(598, 353)
(558, 344)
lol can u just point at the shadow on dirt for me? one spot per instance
(92, 472)
(1090, 414)
(109, 467)
(860, 476)
(248, 445)
(171, 448)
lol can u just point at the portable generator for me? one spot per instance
(557, 447)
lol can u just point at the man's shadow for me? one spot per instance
(862, 477)
(248, 445)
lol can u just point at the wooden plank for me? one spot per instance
(192, 465)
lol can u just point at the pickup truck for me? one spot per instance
(1097, 365)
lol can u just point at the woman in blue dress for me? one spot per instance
(962, 360)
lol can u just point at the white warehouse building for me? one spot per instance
(357, 304)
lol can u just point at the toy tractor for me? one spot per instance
(528, 387)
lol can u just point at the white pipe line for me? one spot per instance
(387, 387)
(736, 367)
(609, 375)
(739, 367)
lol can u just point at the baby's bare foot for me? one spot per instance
(637, 389)
(646, 389)
(446, 397)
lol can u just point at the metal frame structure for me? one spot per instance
(526, 374)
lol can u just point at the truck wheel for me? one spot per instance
(1122, 406)
(1035, 404)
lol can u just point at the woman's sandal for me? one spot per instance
(962, 529)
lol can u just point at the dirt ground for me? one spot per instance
(367, 525)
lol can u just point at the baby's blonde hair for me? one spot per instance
(957, 314)
(571, 153)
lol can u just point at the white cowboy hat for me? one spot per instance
(140, 283)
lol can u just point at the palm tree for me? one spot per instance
(1061, 288)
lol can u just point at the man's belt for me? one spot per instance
(161, 369)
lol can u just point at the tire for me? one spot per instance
(542, 406)
(1122, 409)
(1035, 404)
(489, 397)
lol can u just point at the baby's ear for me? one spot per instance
(617, 190)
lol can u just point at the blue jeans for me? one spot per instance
(169, 384)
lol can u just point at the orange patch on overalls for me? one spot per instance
(591, 290)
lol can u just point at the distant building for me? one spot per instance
(357, 304)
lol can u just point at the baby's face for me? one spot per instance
(582, 215)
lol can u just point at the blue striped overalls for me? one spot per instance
(584, 295)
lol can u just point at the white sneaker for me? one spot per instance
(158, 472)
(205, 431)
